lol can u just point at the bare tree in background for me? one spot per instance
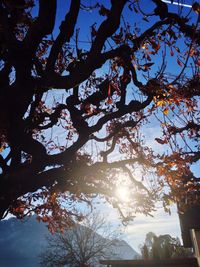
(82, 245)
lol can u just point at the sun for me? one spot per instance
(123, 193)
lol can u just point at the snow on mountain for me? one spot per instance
(123, 250)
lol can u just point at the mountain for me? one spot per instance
(123, 250)
(21, 243)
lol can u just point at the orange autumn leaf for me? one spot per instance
(160, 103)
(196, 8)
(157, 47)
(109, 101)
(197, 63)
(171, 52)
(166, 111)
(179, 62)
(161, 141)
(109, 90)
(148, 65)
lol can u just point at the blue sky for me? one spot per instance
(161, 223)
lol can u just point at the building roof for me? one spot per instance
(184, 262)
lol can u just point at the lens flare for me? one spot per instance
(123, 193)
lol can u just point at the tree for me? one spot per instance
(66, 106)
(83, 245)
(145, 252)
(163, 247)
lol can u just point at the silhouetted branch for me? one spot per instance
(66, 32)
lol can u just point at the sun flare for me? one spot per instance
(123, 193)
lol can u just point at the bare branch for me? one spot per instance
(66, 32)
(133, 106)
(109, 26)
(42, 26)
(118, 127)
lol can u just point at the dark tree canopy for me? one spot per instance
(76, 98)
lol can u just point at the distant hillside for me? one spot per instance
(21, 242)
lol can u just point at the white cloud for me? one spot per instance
(135, 232)
(161, 223)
